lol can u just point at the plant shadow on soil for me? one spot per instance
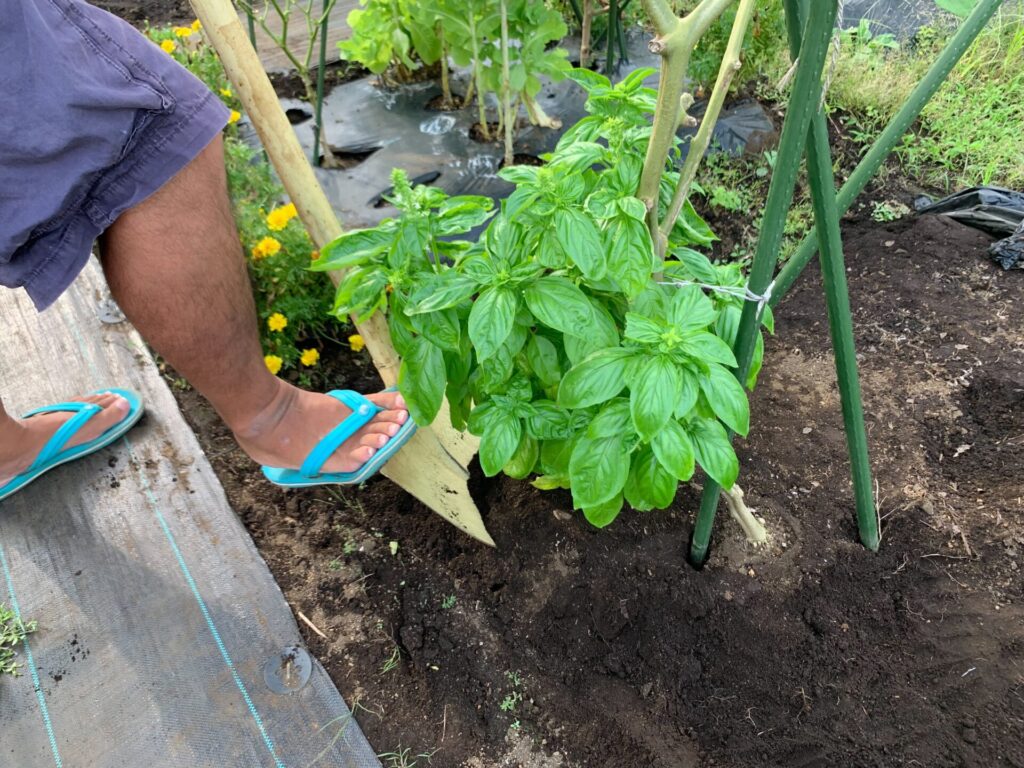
(813, 653)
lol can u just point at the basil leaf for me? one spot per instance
(693, 265)
(633, 208)
(674, 449)
(555, 455)
(708, 348)
(603, 515)
(690, 308)
(440, 328)
(581, 241)
(649, 485)
(643, 329)
(353, 247)
(499, 441)
(597, 379)
(448, 290)
(598, 470)
(578, 157)
(542, 356)
(727, 398)
(491, 319)
(521, 465)
(630, 254)
(688, 391)
(654, 394)
(561, 305)
(613, 419)
(548, 421)
(714, 451)
(421, 380)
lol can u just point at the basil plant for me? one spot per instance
(557, 336)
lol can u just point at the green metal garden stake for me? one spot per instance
(322, 65)
(890, 137)
(837, 297)
(613, 17)
(803, 104)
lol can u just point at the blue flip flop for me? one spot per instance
(54, 454)
(362, 414)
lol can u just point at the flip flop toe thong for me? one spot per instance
(363, 412)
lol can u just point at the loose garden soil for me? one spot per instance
(607, 650)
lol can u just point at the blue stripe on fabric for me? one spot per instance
(155, 504)
(31, 662)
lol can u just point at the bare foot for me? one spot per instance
(21, 440)
(289, 428)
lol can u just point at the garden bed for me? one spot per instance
(569, 646)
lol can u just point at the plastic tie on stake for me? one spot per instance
(740, 292)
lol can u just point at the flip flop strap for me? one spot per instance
(83, 412)
(362, 414)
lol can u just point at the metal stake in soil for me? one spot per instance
(833, 270)
(803, 104)
(890, 137)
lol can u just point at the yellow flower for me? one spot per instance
(168, 46)
(197, 25)
(278, 218)
(226, 93)
(309, 357)
(277, 322)
(356, 342)
(314, 255)
(183, 31)
(273, 363)
(268, 246)
(234, 117)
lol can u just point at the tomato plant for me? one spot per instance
(560, 337)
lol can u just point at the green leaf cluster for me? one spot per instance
(557, 336)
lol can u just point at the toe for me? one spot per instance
(390, 401)
(388, 428)
(373, 440)
(392, 417)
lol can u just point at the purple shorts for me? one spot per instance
(94, 118)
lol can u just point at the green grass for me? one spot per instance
(12, 633)
(970, 132)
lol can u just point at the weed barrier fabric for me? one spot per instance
(161, 630)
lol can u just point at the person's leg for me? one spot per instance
(175, 266)
(21, 440)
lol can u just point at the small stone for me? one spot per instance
(727, 596)
(970, 735)
(562, 515)
(751, 573)
(807, 430)
(890, 243)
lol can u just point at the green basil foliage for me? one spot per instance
(557, 337)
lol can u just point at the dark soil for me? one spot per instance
(152, 12)
(606, 649)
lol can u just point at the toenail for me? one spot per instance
(393, 430)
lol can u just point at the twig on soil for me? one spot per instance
(444, 723)
(310, 624)
(742, 514)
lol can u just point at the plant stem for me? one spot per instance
(588, 18)
(742, 514)
(613, 20)
(674, 41)
(506, 96)
(318, 131)
(700, 143)
(446, 90)
(478, 72)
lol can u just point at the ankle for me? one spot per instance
(265, 414)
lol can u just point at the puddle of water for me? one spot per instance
(437, 125)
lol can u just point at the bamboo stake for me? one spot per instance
(432, 467)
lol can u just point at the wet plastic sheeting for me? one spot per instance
(901, 18)
(401, 132)
(157, 616)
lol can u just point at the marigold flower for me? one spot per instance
(168, 46)
(234, 117)
(268, 246)
(227, 93)
(277, 322)
(197, 25)
(314, 255)
(183, 31)
(278, 218)
(356, 342)
(309, 357)
(273, 363)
